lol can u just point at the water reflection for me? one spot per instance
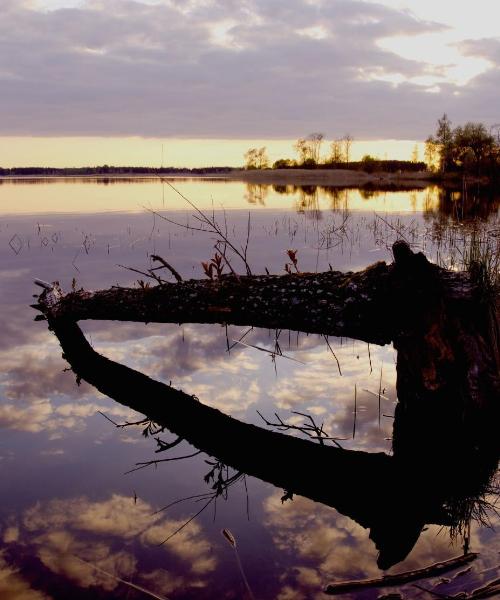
(440, 483)
(467, 204)
(73, 195)
(56, 449)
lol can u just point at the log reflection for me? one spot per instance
(442, 480)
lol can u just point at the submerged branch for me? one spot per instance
(346, 587)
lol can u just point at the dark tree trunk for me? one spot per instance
(332, 303)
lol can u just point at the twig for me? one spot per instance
(156, 258)
(312, 430)
(239, 340)
(197, 496)
(146, 274)
(188, 521)
(149, 463)
(273, 353)
(355, 411)
(334, 355)
(211, 223)
(379, 394)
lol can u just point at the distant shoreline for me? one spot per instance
(341, 178)
(328, 177)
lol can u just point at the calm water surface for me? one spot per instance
(67, 501)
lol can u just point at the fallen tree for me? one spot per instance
(366, 305)
(445, 433)
(442, 323)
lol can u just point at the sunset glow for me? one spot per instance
(89, 82)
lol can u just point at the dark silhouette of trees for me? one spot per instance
(444, 139)
(108, 170)
(369, 163)
(472, 144)
(283, 163)
(466, 148)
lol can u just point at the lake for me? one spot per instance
(79, 514)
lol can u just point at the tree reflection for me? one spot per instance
(439, 204)
(443, 464)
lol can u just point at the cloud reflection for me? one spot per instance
(337, 547)
(13, 586)
(106, 533)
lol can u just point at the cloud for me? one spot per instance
(13, 586)
(61, 532)
(213, 69)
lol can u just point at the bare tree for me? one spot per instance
(308, 148)
(314, 141)
(414, 154)
(347, 140)
(256, 158)
(336, 153)
(262, 158)
(302, 149)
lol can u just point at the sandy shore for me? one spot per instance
(326, 177)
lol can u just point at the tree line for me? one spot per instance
(308, 150)
(109, 170)
(468, 148)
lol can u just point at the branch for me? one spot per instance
(346, 587)
(155, 257)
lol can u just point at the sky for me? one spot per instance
(95, 81)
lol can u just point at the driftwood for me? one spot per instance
(490, 590)
(345, 587)
(445, 442)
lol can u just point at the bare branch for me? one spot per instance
(155, 257)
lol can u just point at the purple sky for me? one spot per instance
(244, 69)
